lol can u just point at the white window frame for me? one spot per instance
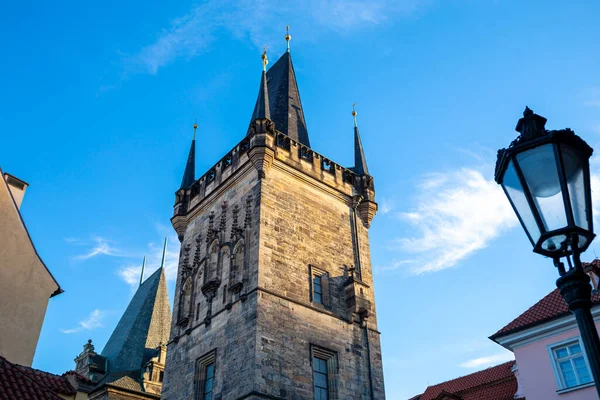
(562, 388)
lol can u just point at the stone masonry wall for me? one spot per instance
(303, 224)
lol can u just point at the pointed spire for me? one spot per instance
(164, 255)
(142, 274)
(284, 100)
(261, 110)
(189, 175)
(261, 117)
(143, 327)
(360, 162)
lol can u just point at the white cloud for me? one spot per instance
(262, 21)
(394, 264)
(130, 272)
(100, 246)
(458, 212)
(90, 323)
(487, 361)
(386, 206)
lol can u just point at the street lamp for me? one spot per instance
(546, 177)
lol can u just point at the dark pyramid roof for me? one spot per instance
(189, 175)
(261, 109)
(143, 327)
(360, 162)
(284, 100)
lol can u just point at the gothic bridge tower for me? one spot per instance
(274, 297)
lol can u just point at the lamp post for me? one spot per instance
(546, 176)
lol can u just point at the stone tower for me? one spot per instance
(274, 297)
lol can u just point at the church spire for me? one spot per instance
(164, 254)
(142, 274)
(261, 110)
(360, 162)
(283, 99)
(189, 175)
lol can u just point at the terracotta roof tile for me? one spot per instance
(56, 383)
(550, 307)
(23, 383)
(495, 383)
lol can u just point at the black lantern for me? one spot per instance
(546, 176)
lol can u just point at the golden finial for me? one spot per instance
(265, 61)
(288, 37)
(354, 114)
(195, 127)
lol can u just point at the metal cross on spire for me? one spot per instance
(288, 37)
(354, 113)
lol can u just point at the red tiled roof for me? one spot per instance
(56, 383)
(495, 383)
(23, 383)
(550, 307)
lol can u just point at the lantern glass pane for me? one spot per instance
(514, 191)
(573, 162)
(541, 175)
(555, 242)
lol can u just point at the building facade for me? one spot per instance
(26, 284)
(274, 297)
(545, 339)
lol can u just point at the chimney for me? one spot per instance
(17, 188)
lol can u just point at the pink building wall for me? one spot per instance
(536, 373)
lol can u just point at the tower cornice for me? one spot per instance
(286, 154)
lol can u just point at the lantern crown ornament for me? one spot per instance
(546, 176)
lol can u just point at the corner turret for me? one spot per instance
(189, 177)
(365, 201)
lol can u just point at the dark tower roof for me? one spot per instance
(189, 175)
(261, 109)
(144, 326)
(284, 100)
(360, 162)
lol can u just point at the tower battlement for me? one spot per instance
(343, 181)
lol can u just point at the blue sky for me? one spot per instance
(98, 99)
